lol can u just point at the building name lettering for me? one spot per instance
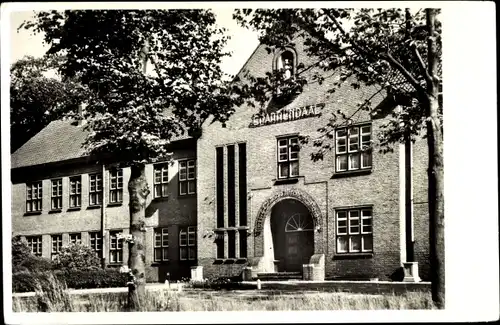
(287, 115)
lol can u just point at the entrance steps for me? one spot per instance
(279, 276)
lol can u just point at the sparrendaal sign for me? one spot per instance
(286, 115)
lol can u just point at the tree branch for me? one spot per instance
(405, 73)
(421, 64)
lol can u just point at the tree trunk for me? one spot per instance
(435, 171)
(138, 190)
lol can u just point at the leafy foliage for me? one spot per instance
(25, 281)
(383, 48)
(77, 257)
(24, 260)
(37, 98)
(132, 114)
(20, 251)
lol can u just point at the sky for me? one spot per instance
(242, 43)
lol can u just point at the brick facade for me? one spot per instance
(219, 246)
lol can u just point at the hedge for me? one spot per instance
(77, 279)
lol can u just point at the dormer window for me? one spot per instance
(286, 63)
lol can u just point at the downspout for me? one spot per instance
(103, 216)
(410, 253)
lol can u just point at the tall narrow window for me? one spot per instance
(75, 191)
(75, 238)
(187, 177)
(35, 244)
(95, 189)
(161, 244)
(231, 240)
(286, 64)
(219, 242)
(115, 247)
(34, 197)
(96, 242)
(288, 157)
(243, 243)
(219, 184)
(187, 243)
(160, 180)
(56, 198)
(231, 183)
(56, 245)
(352, 148)
(116, 185)
(242, 183)
(354, 230)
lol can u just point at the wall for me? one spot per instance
(173, 212)
(379, 188)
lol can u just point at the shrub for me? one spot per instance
(221, 283)
(35, 264)
(77, 257)
(25, 281)
(20, 251)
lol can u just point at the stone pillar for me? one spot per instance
(307, 272)
(247, 273)
(411, 272)
(197, 273)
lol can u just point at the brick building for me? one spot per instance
(245, 198)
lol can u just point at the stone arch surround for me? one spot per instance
(278, 196)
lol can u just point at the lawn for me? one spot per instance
(53, 296)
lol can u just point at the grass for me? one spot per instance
(54, 297)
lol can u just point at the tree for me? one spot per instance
(20, 251)
(133, 113)
(395, 50)
(37, 99)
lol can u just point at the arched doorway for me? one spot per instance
(292, 229)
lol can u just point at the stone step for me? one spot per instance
(279, 276)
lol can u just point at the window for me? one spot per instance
(352, 148)
(219, 242)
(95, 189)
(286, 64)
(187, 177)
(288, 157)
(75, 238)
(116, 185)
(160, 180)
(161, 244)
(219, 185)
(56, 245)
(354, 231)
(115, 247)
(243, 243)
(96, 242)
(56, 199)
(187, 243)
(34, 197)
(35, 243)
(75, 192)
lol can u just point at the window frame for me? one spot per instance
(187, 179)
(162, 185)
(95, 190)
(56, 196)
(58, 245)
(189, 230)
(289, 159)
(76, 241)
(31, 188)
(353, 149)
(94, 242)
(35, 243)
(77, 194)
(113, 235)
(164, 243)
(116, 177)
(353, 218)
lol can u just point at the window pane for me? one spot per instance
(183, 251)
(157, 190)
(282, 142)
(158, 252)
(366, 129)
(353, 143)
(342, 244)
(192, 253)
(366, 159)
(183, 188)
(283, 170)
(191, 187)
(157, 176)
(341, 132)
(354, 161)
(165, 254)
(367, 243)
(355, 243)
(164, 177)
(163, 189)
(294, 168)
(341, 163)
